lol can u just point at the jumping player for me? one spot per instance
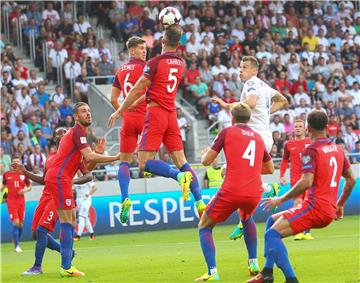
(133, 120)
(292, 153)
(17, 184)
(73, 148)
(45, 215)
(263, 100)
(323, 163)
(247, 158)
(162, 76)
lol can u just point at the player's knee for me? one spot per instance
(269, 222)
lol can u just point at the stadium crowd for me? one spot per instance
(309, 51)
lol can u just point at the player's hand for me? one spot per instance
(112, 120)
(269, 203)
(205, 150)
(99, 146)
(222, 103)
(339, 213)
(21, 192)
(282, 181)
(18, 167)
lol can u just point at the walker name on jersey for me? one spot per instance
(329, 148)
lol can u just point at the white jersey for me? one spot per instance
(260, 115)
(83, 190)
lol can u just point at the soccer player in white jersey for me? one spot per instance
(263, 100)
(83, 201)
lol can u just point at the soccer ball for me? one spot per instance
(169, 16)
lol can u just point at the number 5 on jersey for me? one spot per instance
(173, 79)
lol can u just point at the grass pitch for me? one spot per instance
(175, 256)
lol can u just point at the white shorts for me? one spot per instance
(268, 141)
(83, 205)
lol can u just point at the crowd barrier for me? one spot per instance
(152, 211)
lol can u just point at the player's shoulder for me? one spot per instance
(253, 81)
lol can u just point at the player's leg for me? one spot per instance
(15, 235)
(124, 181)
(81, 218)
(15, 212)
(306, 234)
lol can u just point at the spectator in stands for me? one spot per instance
(21, 138)
(37, 159)
(213, 178)
(82, 85)
(91, 52)
(200, 92)
(13, 112)
(219, 86)
(6, 81)
(235, 85)
(5, 161)
(67, 12)
(294, 67)
(111, 171)
(38, 139)
(22, 69)
(274, 153)
(277, 125)
(34, 107)
(301, 94)
(346, 112)
(81, 26)
(352, 77)
(350, 138)
(122, 59)
(281, 82)
(51, 14)
(129, 26)
(45, 129)
(322, 68)
(330, 95)
(347, 56)
(66, 29)
(224, 118)
(19, 125)
(343, 93)
(105, 68)
(218, 68)
(356, 157)
(18, 83)
(183, 124)
(301, 108)
(43, 96)
(58, 97)
(104, 50)
(318, 106)
(24, 99)
(147, 23)
(68, 122)
(213, 112)
(52, 113)
(6, 141)
(34, 82)
(33, 124)
(205, 73)
(355, 94)
(288, 125)
(57, 56)
(333, 127)
(65, 109)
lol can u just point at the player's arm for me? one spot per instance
(284, 164)
(21, 169)
(208, 156)
(91, 156)
(115, 93)
(93, 190)
(99, 147)
(133, 95)
(222, 103)
(27, 188)
(268, 164)
(349, 186)
(278, 101)
(137, 102)
(83, 179)
(251, 100)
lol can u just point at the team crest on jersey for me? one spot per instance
(68, 202)
(306, 159)
(250, 83)
(22, 177)
(83, 140)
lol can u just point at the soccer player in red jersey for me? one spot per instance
(247, 158)
(323, 164)
(133, 119)
(292, 153)
(45, 215)
(162, 76)
(17, 185)
(73, 149)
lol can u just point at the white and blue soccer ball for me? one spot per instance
(169, 16)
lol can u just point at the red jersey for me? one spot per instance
(126, 77)
(49, 163)
(165, 72)
(15, 182)
(245, 153)
(332, 129)
(292, 153)
(68, 158)
(327, 162)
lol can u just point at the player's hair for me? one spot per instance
(241, 112)
(78, 105)
(253, 61)
(299, 121)
(317, 120)
(173, 35)
(134, 41)
(15, 155)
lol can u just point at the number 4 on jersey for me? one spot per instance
(249, 153)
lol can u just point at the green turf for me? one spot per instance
(175, 256)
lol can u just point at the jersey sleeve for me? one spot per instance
(116, 82)
(346, 164)
(80, 139)
(250, 88)
(267, 156)
(27, 181)
(150, 69)
(286, 154)
(4, 179)
(218, 143)
(308, 160)
(272, 92)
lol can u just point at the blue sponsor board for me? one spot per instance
(152, 211)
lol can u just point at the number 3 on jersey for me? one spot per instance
(173, 79)
(249, 153)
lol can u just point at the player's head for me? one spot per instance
(249, 66)
(240, 112)
(15, 157)
(317, 121)
(299, 128)
(137, 47)
(172, 37)
(82, 114)
(58, 134)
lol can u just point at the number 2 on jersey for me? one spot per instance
(249, 153)
(333, 163)
(173, 78)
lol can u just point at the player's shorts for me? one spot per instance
(16, 210)
(223, 205)
(62, 194)
(131, 127)
(83, 206)
(45, 214)
(268, 141)
(161, 126)
(306, 216)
